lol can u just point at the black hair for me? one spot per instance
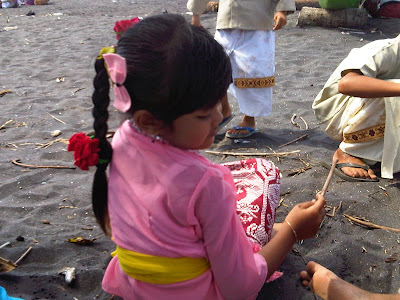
(173, 68)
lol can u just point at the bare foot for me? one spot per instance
(246, 122)
(353, 172)
(328, 286)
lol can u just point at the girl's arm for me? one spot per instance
(356, 84)
(302, 222)
(278, 247)
(238, 272)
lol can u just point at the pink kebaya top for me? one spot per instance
(165, 201)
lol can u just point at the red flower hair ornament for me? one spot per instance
(121, 26)
(85, 150)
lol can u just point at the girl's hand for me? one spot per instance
(306, 217)
(196, 20)
(280, 20)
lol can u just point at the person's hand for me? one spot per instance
(196, 20)
(305, 218)
(279, 19)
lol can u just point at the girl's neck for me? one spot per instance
(155, 138)
(152, 136)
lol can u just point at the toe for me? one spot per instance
(371, 174)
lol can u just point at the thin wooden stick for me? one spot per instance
(369, 225)
(251, 153)
(23, 255)
(18, 163)
(5, 244)
(5, 124)
(328, 179)
(295, 140)
(57, 119)
(299, 170)
(301, 118)
(294, 122)
(59, 140)
(3, 92)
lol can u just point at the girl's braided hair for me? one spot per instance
(173, 69)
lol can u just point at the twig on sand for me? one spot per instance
(368, 224)
(23, 255)
(77, 90)
(5, 244)
(281, 202)
(59, 140)
(295, 140)
(268, 154)
(297, 252)
(328, 179)
(299, 171)
(11, 121)
(18, 163)
(305, 123)
(293, 121)
(334, 209)
(57, 119)
(5, 124)
(3, 92)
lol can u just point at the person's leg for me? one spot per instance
(329, 286)
(225, 107)
(360, 126)
(253, 76)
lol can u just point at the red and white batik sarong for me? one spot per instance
(257, 185)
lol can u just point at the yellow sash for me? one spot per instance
(160, 270)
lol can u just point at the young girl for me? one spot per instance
(170, 211)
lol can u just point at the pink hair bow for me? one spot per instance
(116, 66)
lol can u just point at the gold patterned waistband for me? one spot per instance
(245, 83)
(365, 135)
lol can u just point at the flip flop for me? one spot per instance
(243, 135)
(338, 171)
(225, 121)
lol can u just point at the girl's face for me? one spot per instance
(196, 130)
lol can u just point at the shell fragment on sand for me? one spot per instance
(69, 273)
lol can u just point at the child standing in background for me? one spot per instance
(246, 31)
(172, 213)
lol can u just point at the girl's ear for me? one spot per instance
(147, 122)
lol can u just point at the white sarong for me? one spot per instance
(252, 55)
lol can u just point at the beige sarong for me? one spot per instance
(368, 128)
